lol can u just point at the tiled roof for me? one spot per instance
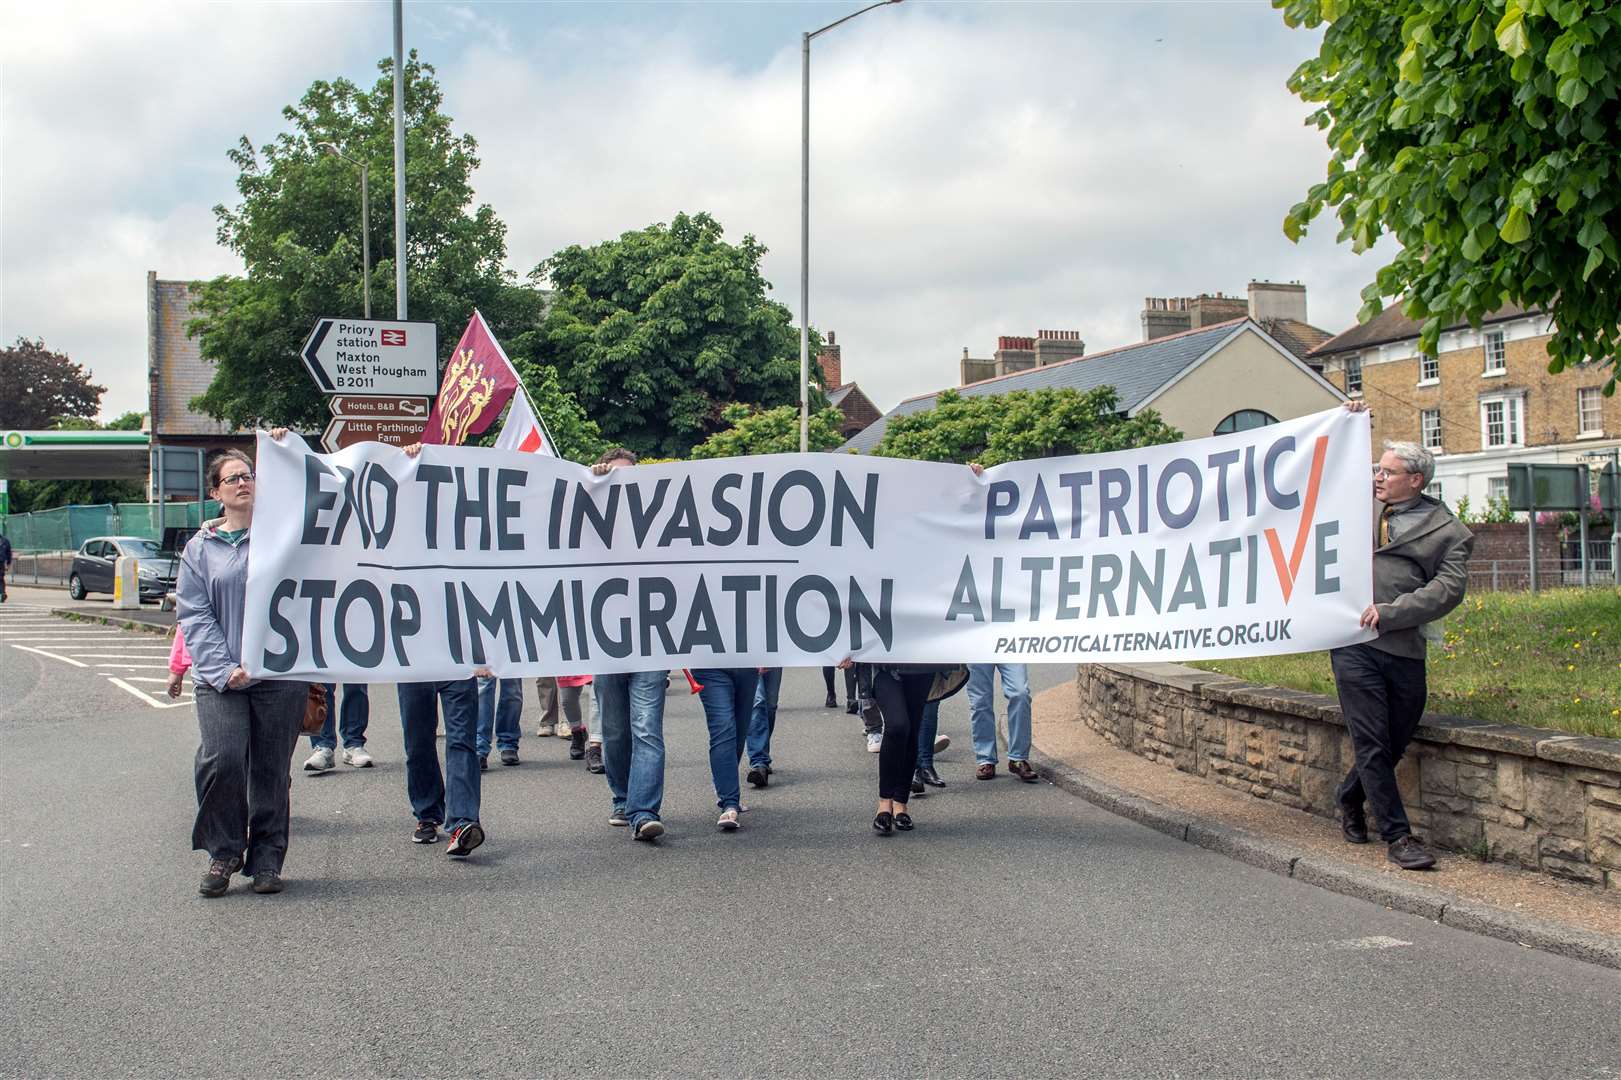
(1135, 371)
(1392, 324)
(1298, 337)
(839, 393)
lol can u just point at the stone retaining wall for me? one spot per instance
(1530, 797)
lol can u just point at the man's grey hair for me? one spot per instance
(1414, 458)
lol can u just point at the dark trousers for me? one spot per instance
(901, 699)
(243, 771)
(1382, 699)
(827, 679)
(858, 688)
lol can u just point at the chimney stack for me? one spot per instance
(832, 367)
(1276, 300)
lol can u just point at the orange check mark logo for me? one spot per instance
(1288, 570)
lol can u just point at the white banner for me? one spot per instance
(368, 566)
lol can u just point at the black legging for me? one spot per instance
(901, 699)
(827, 677)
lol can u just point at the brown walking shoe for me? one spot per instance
(986, 771)
(1023, 771)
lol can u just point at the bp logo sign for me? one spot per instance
(12, 440)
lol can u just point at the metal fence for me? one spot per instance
(1514, 575)
(43, 542)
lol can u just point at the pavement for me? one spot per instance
(1019, 929)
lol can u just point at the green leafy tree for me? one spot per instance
(130, 421)
(1485, 135)
(997, 428)
(39, 386)
(770, 431)
(658, 331)
(297, 231)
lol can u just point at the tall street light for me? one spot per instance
(804, 224)
(365, 218)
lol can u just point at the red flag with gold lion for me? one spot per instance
(477, 384)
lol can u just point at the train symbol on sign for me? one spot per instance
(392, 337)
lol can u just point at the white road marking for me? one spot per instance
(1369, 943)
(53, 656)
(153, 657)
(148, 698)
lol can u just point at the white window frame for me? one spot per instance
(1512, 421)
(1429, 370)
(1585, 394)
(1353, 363)
(1424, 429)
(1496, 487)
(1494, 344)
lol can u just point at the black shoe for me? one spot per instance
(759, 776)
(266, 882)
(850, 707)
(427, 833)
(483, 762)
(1354, 824)
(903, 821)
(917, 783)
(1409, 854)
(832, 701)
(884, 823)
(576, 744)
(463, 839)
(649, 830)
(509, 756)
(593, 758)
(930, 777)
(218, 878)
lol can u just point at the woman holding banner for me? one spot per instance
(248, 727)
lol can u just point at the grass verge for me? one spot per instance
(1552, 660)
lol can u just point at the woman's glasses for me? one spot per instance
(236, 479)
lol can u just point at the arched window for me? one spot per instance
(1243, 420)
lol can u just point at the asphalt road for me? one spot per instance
(1018, 931)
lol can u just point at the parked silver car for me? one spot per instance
(94, 566)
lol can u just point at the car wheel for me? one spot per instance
(75, 587)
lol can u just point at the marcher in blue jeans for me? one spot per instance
(454, 806)
(762, 724)
(928, 740)
(982, 718)
(351, 721)
(728, 697)
(504, 719)
(630, 709)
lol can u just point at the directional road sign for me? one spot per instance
(347, 430)
(380, 408)
(374, 357)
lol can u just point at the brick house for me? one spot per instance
(847, 397)
(176, 373)
(1214, 380)
(1483, 402)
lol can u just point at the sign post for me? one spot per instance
(374, 357)
(380, 377)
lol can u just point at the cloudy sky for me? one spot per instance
(977, 168)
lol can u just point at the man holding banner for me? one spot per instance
(1420, 571)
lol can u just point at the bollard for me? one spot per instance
(126, 583)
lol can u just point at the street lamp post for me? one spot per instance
(804, 221)
(365, 219)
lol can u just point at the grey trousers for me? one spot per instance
(244, 771)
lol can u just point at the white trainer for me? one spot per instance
(357, 757)
(875, 741)
(320, 761)
(545, 730)
(941, 742)
(728, 821)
